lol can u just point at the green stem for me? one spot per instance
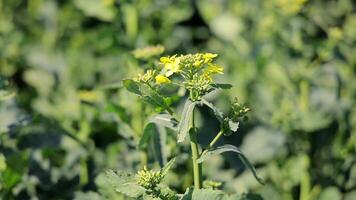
(216, 138)
(305, 187)
(197, 167)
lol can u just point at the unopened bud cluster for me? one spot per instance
(239, 111)
(149, 179)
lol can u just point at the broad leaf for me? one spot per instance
(125, 183)
(227, 148)
(202, 194)
(152, 97)
(148, 94)
(185, 122)
(132, 86)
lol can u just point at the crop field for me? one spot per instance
(177, 100)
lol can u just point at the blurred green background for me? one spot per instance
(292, 61)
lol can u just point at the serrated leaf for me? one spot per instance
(125, 183)
(230, 148)
(185, 122)
(168, 166)
(165, 120)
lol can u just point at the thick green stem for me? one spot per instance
(197, 167)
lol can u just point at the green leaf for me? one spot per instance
(228, 124)
(125, 183)
(149, 130)
(202, 194)
(132, 86)
(210, 194)
(147, 93)
(87, 195)
(185, 122)
(227, 148)
(218, 114)
(222, 86)
(165, 120)
(330, 193)
(152, 97)
(168, 166)
(99, 9)
(159, 146)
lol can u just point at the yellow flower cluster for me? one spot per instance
(188, 65)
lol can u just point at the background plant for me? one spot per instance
(292, 61)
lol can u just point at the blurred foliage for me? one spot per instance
(64, 119)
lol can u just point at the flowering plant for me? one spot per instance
(192, 73)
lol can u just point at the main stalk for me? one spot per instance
(197, 167)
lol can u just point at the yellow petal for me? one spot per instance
(209, 56)
(164, 60)
(214, 69)
(162, 79)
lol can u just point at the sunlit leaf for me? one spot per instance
(186, 118)
(124, 183)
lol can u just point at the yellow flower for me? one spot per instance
(162, 79)
(171, 64)
(214, 69)
(209, 56)
(198, 63)
(166, 59)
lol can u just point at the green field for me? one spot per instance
(125, 99)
